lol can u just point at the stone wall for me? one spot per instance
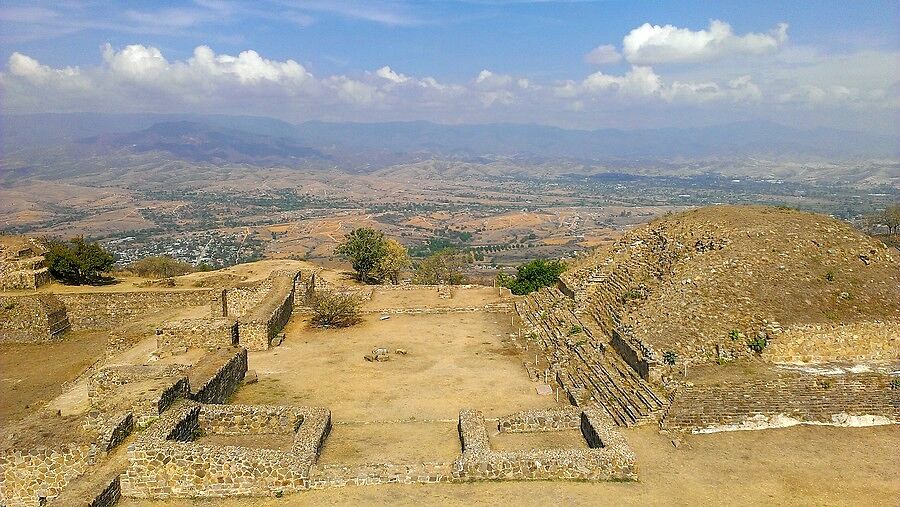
(756, 403)
(530, 421)
(177, 336)
(103, 310)
(257, 328)
(28, 478)
(858, 341)
(23, 268)
(488, 308)
(32, 318)
(608, 458)
(147, 390)
(335, 476)
(165, 463)
(217, 375)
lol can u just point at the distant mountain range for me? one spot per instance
(266, 141)
(200, 142)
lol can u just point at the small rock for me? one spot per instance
(382, 357)
(676, 443)
(380, 351)
(369, 357)
(401, 352)
(251, 377)
(276, 341)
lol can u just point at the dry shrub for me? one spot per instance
(334, 309)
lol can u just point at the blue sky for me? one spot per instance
(575, 64)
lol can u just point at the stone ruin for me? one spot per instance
(22, 266)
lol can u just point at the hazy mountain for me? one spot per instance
(201, 142)
(361, 143)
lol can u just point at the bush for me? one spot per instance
(574, 329)
(444, 267)
(332, 309)
(159, 267)
(670, 357)
(533, 276)
(758, 344)
(77, 261)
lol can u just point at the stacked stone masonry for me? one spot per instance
(165, 463)
(29, 478)
(608, 458)
(32, 318)
(261, 310)
(788, 399)
(217, 375)
(177, 336)
(104, 310)
(22, 267)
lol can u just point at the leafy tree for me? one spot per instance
(161, 266)
(892, 218)
(532, 276)
(363, 247)
(392, 263)
(78, 261)
(444, 267)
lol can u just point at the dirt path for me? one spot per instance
(32, 374)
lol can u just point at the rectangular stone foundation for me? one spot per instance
(166, 463)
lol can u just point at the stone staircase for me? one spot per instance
(583, 363)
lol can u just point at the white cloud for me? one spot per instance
(489, 80)
(386, 73)
(141, 78)
(654, 44)
(602, 55)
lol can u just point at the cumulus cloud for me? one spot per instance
(602, 55)
(642, 83)
(654, 44)
(386, 73)
(141, 78)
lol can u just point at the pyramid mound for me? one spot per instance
(733, 281)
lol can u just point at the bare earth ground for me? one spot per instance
(352, 444)
(454, 361)
(32, 374)
(802, 465)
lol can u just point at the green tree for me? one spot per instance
(532, 276)
(364, 248)
(443, 267)
(78, 261)
(392, 263)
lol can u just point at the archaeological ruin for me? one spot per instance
(218, 389)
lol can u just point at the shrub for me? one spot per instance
(758, 344)
(444, 267)
(670, 357)
(829, 276)
(159, 267)
(332, 309)
(735, 335)
(574, 329)
(533, 276)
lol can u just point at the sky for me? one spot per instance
(573, 64)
